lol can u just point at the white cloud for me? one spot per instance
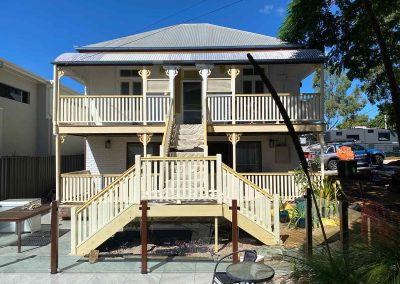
(267, 9)
(281, 11)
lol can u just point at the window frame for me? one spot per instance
(259, 156)
(155, 149)
(24, 96)
(382, 138)
(254, 79)
(130, 80)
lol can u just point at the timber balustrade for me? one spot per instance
(282, 184)
(175, 180)
(80, 187)
(169, 124)
(112, 109)
(96, 110)
(262, 108)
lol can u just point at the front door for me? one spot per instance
(192, 102)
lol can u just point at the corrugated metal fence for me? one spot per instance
(33, 177)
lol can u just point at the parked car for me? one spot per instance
(362, 155)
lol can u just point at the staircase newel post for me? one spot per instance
(276, 217)
(137, 186)
(235, 231)
(219, 178)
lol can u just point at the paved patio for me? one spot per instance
(33, 263)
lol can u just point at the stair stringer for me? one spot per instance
(107, 231)
(251, 227)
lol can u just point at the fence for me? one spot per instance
(282, 184)
(33, 177)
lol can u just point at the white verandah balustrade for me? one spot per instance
(262, 108)
(112, 109)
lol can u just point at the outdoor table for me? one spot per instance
(18, 215)
(251, 272)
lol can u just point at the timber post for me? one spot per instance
(54, 238)
(235, 231)
(143, 236)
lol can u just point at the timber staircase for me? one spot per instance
(174, 187)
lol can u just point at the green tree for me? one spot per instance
(385, 113)
(356, 120)
(341, 103)
(361, 38)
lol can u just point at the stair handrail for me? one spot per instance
(169, 122)
(109, 187)
(247, 181)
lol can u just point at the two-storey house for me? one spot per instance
(178, 117)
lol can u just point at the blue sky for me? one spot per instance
(34, 32)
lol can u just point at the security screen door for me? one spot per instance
(192, 102)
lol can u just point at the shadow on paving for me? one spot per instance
(17, 260)
(39, 239)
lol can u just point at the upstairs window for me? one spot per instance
(129, 73)
(130, 83)
(251, 82)
(14, 94)
(338, 133)
(370, 131)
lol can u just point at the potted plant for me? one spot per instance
(297, 219)
(283, 213)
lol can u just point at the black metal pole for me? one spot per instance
(309, 223)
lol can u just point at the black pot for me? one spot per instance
(301, 223)
(284, 216)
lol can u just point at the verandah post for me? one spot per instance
(235, 231)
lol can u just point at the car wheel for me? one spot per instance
(332, 165)
(377, 160)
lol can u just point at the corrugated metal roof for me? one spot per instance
(295, 55)
(191, 37)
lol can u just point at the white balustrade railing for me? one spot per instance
(255, 203)
(169, 178)
(78, 188)
(169, 124)
(112, 109)
(103, 208)
(282, 184)
(157, 108)
(219, 107)
(262, 108)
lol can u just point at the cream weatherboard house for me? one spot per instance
(178, 117)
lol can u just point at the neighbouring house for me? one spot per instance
(377, 138)
(178, 117)
(26, 127)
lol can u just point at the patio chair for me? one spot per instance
(222, 277)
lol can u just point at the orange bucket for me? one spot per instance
(345, 153)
